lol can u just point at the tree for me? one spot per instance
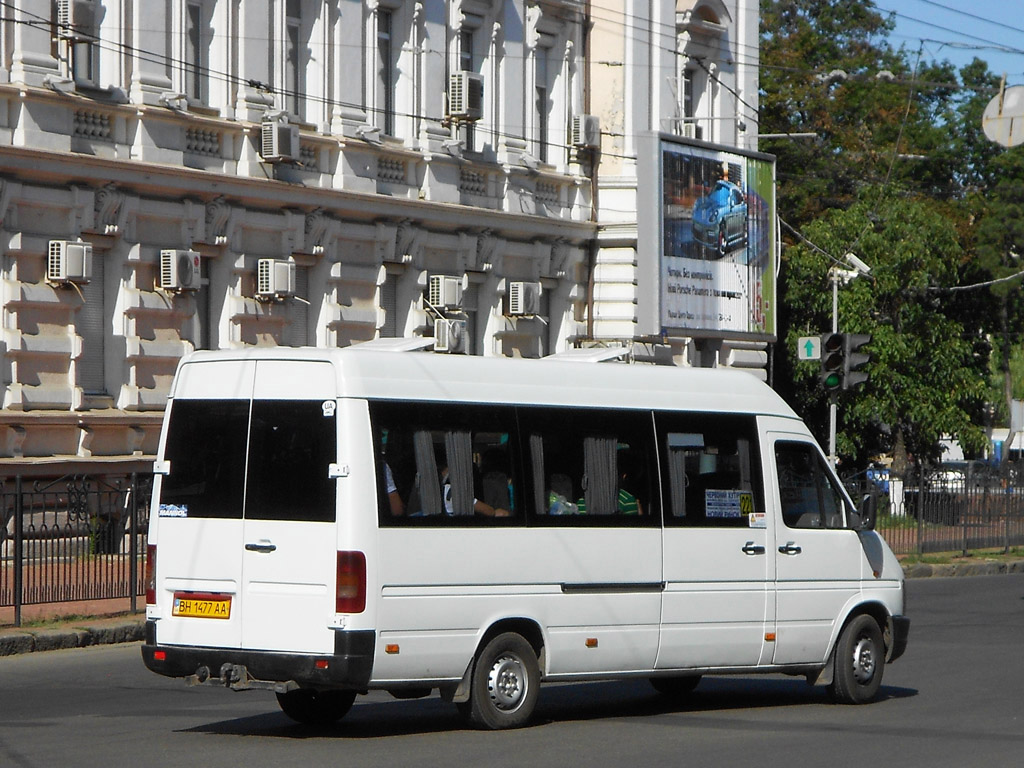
(821, 62)
(898, 175)
(1000, 253)
(926, 380)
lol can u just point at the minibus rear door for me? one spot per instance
(290, 541)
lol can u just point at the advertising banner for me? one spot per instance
(710, 269)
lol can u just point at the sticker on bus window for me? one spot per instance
(328, 407)
(758, 520)
(173, 510)
(727, 503)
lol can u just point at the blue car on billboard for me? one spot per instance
(720, 218)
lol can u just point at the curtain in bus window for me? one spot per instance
(537, 470)
(743, 456)
(459, 485)
(291, 447)
(679, 446)
(427, 494)
(600, 482)
(206, 451)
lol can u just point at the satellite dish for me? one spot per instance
(1003, 118)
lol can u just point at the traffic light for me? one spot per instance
(854, 361)
(833, 351)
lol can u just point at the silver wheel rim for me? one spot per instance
(864, 660)
(507, 683)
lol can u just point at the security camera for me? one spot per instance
(857, 264)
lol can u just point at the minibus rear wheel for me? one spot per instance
(859, 661)
(312, 707)
(505, 684)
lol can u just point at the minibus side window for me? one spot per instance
(445, 464)
(206, 450)
(710, 470)
(292, 445)
(590, 467)
(810, 498)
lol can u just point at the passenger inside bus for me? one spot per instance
(449, 495)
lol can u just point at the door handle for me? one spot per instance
(268, 547)
(790, 549)
(750, 548)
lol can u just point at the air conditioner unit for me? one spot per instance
(523, 298)
(279, 141)
(68, 262)
(75, 18)
(465, 96)
(179, 270)
(450, 336)
(445, 291)
(688, 130)
(586, 131)
(275, 278)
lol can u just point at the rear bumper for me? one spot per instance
(900, 634)
(349, 667)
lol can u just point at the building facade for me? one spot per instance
(214, 174)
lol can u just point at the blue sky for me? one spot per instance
(959, 30)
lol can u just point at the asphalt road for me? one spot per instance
(955, 699)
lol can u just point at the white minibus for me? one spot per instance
(326, 522)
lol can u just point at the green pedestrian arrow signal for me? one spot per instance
(808, 348)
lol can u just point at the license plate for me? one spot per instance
(202, 606)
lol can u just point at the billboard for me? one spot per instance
(706, 240)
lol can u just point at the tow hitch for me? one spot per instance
(237, 678)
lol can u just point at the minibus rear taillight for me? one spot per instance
(350, 596)
(151, 574)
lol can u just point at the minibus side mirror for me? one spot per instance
(868, 512)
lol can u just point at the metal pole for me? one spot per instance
(833, 407)
(19, 552)
(133, 544)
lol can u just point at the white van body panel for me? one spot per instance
(436, 584)
(716, 600)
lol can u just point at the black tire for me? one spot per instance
(859, 662)
(676, 687)
(311, 707)
(505, 684)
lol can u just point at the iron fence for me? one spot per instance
(956, 508)
(71, 539)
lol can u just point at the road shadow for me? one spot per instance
(559, 703)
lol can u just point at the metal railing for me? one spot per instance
(951, 510)
(71, 539)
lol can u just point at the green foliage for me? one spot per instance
(925, 378)
(902, 175)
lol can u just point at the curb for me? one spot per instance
(946, 570)
(31, 641)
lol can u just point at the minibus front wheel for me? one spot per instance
(312, 707)
(859, 661)
(505, 684)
